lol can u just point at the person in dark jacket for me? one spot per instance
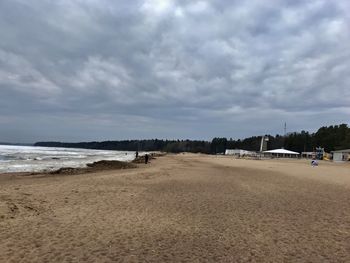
(146, 158)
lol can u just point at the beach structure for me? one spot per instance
(263, 143)
(308, 155)
(281, 153)
(320, 153)
(341, 155)
(238, 152)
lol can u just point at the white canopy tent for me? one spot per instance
(282, 153)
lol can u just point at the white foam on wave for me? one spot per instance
(38, 159)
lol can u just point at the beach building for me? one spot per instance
(341, 155)
(308, 155)
(281, 153)
(238, 152)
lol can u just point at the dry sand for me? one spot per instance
(180, 208)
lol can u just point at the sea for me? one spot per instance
(40, 159)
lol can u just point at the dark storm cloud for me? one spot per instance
(83, 70)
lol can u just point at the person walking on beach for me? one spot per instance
(146, 158)
(136, 154)
(314, 162)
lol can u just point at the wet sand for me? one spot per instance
(180, 208)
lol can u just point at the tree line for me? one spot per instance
(329, 137)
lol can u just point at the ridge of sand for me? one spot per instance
(180, 208)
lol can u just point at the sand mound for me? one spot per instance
(110, 165)
(95, 166)
(152, 156)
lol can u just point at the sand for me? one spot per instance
(180, 208)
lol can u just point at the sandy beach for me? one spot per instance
(180, 208)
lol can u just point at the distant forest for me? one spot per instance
(331, 138)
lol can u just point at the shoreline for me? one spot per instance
(90, 167)
(98, 166)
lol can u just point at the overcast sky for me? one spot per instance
(77, 70)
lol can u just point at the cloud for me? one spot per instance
(19, 74)
(171, 69)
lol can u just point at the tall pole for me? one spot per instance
(285, 134)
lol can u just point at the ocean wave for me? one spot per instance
(37, 159)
